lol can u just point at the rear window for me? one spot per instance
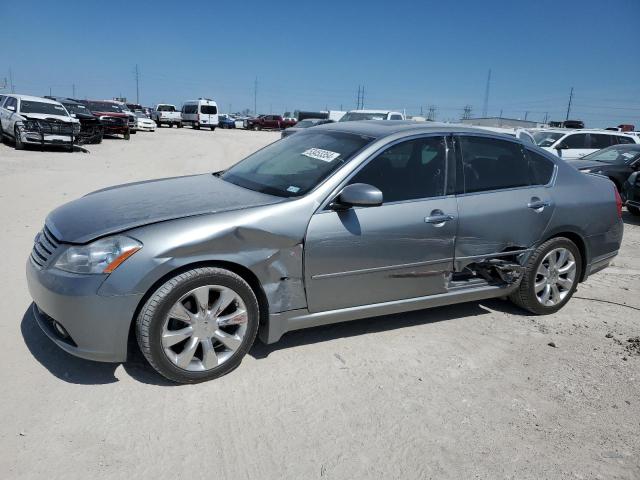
(624, 139)
(166, 108)
(600, 141)
(540, 168)
(208, 109)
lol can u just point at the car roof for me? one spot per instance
(384, 128)
(371, 111)
(31, 98)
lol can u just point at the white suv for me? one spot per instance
(574, 144)
(36, 120)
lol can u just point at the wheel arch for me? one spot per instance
(245, 273)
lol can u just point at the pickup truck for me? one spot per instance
(264, 122)
(166, 114)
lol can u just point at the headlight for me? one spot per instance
(30, 125)
(101, 256)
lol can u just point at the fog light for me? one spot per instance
(60, 330)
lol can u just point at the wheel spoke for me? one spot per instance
(224, 300)
(171, 337)
(542, 270)
(545, 294)
(562, 257)
(565, 283)
(184, 358)
(209, 357)
(540, 285)
(552, 260)
(180, 312)
(232, 342)
(569, 267)
(555, 294)
(201, 296)
(236, 318)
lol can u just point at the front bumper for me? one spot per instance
(35, 138)
(148, 127)
(98, 326)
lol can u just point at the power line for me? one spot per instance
(137, 85)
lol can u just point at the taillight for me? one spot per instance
(618, 201)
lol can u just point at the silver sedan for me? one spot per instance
(340, 222)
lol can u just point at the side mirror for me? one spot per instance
(357, 195)
(562, 146)
(12, 108)
(634, 178)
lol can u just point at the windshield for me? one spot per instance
(104, 107)
(546, 139)
(614, 155)
(77, 108)
(352, 116)
(306, 123)
(293, 166)
(166, 108)
(140, 115)
(27, 106)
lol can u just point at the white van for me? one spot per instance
(200, 113)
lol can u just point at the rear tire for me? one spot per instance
(127, 136)
(157, 321)
(179, 125)
(634, 210)
(526, 296)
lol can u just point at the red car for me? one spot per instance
(264, 122)
(114, 121)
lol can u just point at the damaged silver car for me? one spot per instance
(341, 222)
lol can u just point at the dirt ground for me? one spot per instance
(468, 391)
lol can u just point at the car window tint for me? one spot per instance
(540, 168)
(407, 171)
(600, 141)
(624, 139)
(209, 109)
(491, 164)
(577, 140)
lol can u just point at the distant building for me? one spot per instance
(500, 122)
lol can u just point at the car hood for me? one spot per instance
(584, 164)
(46, 116)
(109, 114)
(120, 208)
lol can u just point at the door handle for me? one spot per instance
(438, 218)
(537, 204)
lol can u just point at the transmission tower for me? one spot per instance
(431, 116)
(467, 112)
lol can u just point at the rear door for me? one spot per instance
(505, 203)
(401, 249)
(575, 145)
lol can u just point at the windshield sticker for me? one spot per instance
(293, 189)
(320, 154)
(629, 154)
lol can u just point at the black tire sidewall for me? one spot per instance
(633, 210)
(165, 301)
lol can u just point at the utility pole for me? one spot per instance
(432, 113)
(358, 100)
(500, 113)
(73, 89)
(50, 94)
(569, 106)
(546, 117)
(13, 89)
(526, 114)
(362, 107)
(421, 111)
(255, 96)
(485, 106)
(137, 85)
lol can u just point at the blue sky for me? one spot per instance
(312, 55)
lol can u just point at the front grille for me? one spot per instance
(44, 247)
(115, 121)
(49, 127)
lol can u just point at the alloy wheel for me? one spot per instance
(204, 328)
(555, 277)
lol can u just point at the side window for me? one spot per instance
(601, 141)
(540, 168)
(624, 139)
(577, 140)
(407, 171)
(490, 164)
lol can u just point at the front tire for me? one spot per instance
(550, 278)
(634, 210)
(18, 144)
(198, 325)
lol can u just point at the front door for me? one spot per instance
(505, 203)
(398, 250)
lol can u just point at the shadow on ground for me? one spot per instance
(84, 372)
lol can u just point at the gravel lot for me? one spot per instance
(469, 391)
